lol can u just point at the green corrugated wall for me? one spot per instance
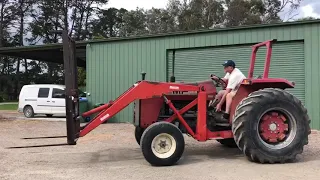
(112, 67)
(195, 64)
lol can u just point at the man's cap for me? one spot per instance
(229, 63)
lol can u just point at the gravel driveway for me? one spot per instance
(110, 152)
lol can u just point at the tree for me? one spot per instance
(306, 19)
(134, 23)
(246, 12)
(7, 10)
(243, 12)
(82, 16)
(159, 21)
(109, 22)
(21, 10)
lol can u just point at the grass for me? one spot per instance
(13, 106)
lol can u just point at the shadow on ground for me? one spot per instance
(190, 156)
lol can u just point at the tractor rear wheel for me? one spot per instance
(271, 126)
(162, 144)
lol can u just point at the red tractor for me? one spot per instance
(267, 123)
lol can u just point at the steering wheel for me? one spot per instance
(219, 82)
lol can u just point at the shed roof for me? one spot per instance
(177, 33)
(48, 52)
(54, 52)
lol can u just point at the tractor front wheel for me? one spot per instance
(162, 144)
(271, 126)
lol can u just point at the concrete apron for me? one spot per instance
(13, 115)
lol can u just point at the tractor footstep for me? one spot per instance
(223, 124)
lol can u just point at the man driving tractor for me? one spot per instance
(232, 79)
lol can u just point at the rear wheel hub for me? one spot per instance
(277, 128)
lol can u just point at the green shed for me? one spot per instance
(114, 65)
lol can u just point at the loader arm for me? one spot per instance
(141, 90)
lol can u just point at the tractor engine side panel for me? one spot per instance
(146, 111)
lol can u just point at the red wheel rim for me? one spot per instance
(273, 127)
(277, 128)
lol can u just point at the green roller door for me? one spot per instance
(170, 57)
(197, 63)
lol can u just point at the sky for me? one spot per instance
(311, 8)
(307, 8)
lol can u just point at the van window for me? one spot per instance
(43, 92)
(58, 93)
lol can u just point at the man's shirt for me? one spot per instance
(234, 79)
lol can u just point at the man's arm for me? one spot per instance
(216, 78)
(231, 85)
(225, 78)
(228, 90)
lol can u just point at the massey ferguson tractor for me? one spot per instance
(267, 123)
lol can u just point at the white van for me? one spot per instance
(48, 99)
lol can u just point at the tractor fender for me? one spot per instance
(256, 84)
(250, 85)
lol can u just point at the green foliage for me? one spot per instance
(3, 97)
(108, 23)
(81, 77)
(306, 19)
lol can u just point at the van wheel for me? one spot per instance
(28, 112)
(49, 115)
